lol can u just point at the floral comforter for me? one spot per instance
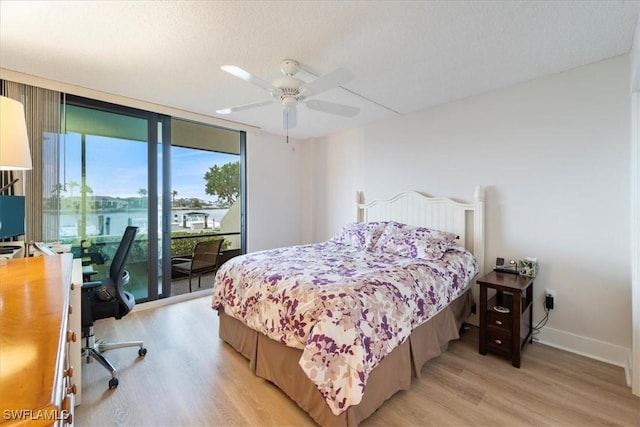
(344, 307)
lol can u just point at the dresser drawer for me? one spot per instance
(499, 320)
(499, 339)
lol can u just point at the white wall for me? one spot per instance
(332, 174)
(553, 154)
(635, 204)
(273, 192)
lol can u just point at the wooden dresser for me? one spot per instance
(37, 381)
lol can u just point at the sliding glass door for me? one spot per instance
(107, 182)
(206, 202)
(179, 182)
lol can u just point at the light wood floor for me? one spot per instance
(190, 377)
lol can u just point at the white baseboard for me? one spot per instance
(628, 371)
(588, 347)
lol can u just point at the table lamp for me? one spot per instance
(14, 141)
(14, 155)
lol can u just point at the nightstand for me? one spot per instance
(506, 319)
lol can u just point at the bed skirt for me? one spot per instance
(278, 363)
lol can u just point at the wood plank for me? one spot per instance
(190, 377)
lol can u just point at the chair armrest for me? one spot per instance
(91, 285)
(180, 259)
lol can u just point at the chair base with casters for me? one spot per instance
(93, 350)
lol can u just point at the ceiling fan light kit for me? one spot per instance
(289, 101)
(290, 91)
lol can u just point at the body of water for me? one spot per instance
(114, 223)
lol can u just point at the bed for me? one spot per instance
(340, 326)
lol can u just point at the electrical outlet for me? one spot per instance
(550, 298)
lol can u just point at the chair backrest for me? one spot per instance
(111, 305)
(116, 272)
(207, 252)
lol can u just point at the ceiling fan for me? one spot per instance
(291, 91)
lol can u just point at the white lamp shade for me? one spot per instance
(14, 141)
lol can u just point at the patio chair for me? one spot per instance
(204, 260)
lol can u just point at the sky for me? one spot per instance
(118, 168)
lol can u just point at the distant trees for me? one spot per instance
(143, 193)
(224, 182)
(72, 185)
(57, 189)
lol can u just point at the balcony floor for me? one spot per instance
(181, 286)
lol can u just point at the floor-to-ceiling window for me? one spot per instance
(119, 167)
(107, 157)
(205, 189)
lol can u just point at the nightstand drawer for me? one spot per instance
(499, 320)
(499, 339)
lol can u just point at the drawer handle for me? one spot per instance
(72, 390)
(498, 342)
(66, 407)
(71, 336)
(498, 322)
(68, 372)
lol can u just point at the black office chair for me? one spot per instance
(107, 298)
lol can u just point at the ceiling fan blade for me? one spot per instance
(248, 77)
(332, 107)
(243, 107)
(289, 118)
(327, 81)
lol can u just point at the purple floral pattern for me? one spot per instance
(414, 242)
(344, 307)
(363, 235)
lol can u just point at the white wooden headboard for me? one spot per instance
(440, 213)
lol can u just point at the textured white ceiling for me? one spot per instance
(406, 55)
